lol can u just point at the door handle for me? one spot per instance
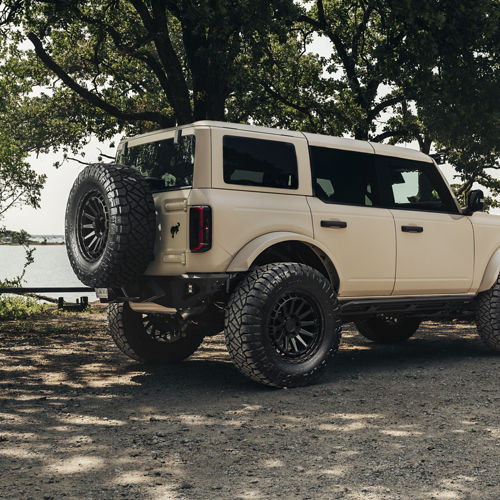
(333, 223)
(412, 229)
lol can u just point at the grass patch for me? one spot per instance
(18, 308)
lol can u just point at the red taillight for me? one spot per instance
(200, 228)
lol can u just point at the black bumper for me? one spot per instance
(178, 292)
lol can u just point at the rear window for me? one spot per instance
(259, 162)
(164, 164)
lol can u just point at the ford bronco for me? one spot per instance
(277, 237)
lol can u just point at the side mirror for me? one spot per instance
(475, 201)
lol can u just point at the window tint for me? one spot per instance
(415, 186)
(344, 176)
(164, 164)
(259, 162)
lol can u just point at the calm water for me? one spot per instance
(51, 268)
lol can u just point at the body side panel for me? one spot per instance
(438, 260)
(487, 250)
(239, 217)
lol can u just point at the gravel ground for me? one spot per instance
(418, 420)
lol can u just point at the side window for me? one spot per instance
(344, 176)
(415, 186)
(259, 162)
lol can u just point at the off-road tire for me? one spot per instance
(382, 331)
(249, 334)
(127, 243)
(127, 330)
(488, 316)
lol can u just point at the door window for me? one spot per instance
(344, 177)
(411, 185)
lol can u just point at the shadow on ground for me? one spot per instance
(413, 420)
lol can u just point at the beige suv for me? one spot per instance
(277, 237)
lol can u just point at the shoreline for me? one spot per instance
(32, 244)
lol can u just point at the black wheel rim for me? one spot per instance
(93, 225)
(295, 326)
(161, 328)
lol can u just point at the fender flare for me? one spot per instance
(491, 272)
(246, 255)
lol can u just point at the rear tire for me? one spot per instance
(384, 330)
(282, 326)
(488, 316)
(152, 338)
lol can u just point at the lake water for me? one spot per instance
(51, 268)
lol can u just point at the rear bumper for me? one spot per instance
(177, 292)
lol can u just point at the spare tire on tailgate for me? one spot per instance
(110, 225)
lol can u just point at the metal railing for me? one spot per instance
(79, 305)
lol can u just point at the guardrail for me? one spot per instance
(46, 289)
(80, 305)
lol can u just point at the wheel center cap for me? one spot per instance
(290, 325)
(99, 225)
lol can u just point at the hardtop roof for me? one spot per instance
(312, 139)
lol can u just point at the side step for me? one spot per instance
(428, 307)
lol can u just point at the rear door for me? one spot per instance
(435, 243)
(348, 219)
(168, 164)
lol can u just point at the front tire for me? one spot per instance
(282, 326)
(384, 330)
(152, 338)
(488, 316)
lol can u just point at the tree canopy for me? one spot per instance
(399, 70)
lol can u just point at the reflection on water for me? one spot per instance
(51, 268)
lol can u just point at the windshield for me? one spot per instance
(164, 164)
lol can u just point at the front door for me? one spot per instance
(435, 243)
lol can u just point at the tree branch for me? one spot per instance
(374, 112)
(81, 162)
(93, 99)
(360, 30)
(347, 61)
(132, 51)
(309, 20)
(279, 97)
(385, 135)
(157, 26)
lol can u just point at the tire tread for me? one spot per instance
(132, 226)
(488, 316)
(242, 325)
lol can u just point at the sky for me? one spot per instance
(49, 218)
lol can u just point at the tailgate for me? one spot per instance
(172, 234)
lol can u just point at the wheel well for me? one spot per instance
(303, 253)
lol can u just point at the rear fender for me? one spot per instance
(247, 255)
(491, 272)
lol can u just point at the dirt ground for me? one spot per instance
(419, 420)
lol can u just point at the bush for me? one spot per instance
(19, 307)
